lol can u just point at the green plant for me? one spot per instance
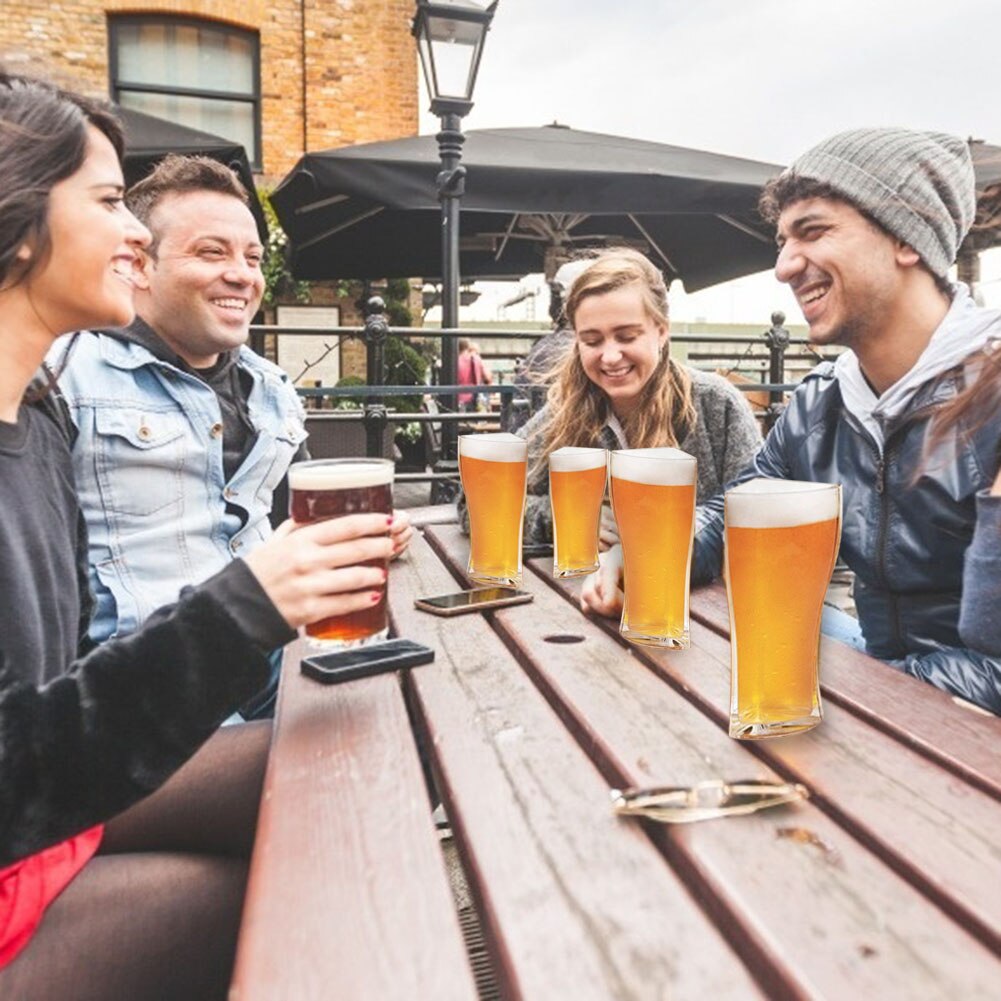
(411, 431)
(349, 402)
(278, 280)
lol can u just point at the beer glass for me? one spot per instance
(653, 500)
(576, 489)
(492, 467)
(781, 543)
(330, 488)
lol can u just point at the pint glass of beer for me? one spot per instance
(576, 489)
(653, 500)
(492, 467)
(781, 543)
(330, 488)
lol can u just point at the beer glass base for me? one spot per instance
(316, 644)
(490, 581)
(681, 641)
(744, 729)
(574, 571)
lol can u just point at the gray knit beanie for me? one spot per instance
(917, 185)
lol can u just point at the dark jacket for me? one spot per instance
(904, 538)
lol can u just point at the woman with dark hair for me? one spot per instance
(980, 611)
(121, 872)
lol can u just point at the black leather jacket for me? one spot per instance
(904, 538)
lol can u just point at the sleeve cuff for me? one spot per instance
(241, 594)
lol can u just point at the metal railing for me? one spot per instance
(375, 417)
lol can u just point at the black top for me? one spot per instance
(84, 737)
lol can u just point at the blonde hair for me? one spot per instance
(578, 409)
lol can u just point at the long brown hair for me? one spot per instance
(974, 406)
(578, 409)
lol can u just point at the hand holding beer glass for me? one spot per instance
(493, 472)
(653, 498)
(775, 529)
(576, 489)
(330, 488)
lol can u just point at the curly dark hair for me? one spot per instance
(43, 140)
(789, 187)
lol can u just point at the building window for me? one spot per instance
(196, 73)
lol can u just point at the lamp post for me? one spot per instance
(450, 35)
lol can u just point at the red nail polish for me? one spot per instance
(377, 597)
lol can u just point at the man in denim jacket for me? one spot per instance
(184, 433)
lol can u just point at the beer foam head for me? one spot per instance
(348, 475)
(496, 446)
(575, 460)
(766, 503)
(665, 467)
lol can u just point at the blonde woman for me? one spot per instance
(618, 387)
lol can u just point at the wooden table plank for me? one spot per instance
(432, 514)
(574, 903)
(348, 895)
(798, 895)
(938, 831)
(962, 740)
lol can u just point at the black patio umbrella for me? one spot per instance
(986, 232)
(371, 211)
(149, 139)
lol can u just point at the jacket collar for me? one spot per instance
(138, 344)
(966, 330)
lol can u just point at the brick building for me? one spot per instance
(280, 76)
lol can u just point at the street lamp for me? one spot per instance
(450, 35)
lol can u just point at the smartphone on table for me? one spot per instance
(478, 599)
(363, 662)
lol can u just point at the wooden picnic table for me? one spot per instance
(886, 883)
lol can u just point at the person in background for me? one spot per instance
(536, 370)
(868, 224)
(471, 372)
(184, 434)
(619, 387)
(126, 819)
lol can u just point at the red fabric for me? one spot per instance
(29, 886)
(469, 371)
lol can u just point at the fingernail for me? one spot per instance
(389, 520)
(376, 597)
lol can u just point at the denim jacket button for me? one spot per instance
(216, 430)
(144, 433)
(235, 545)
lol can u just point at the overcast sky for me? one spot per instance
(758, 78)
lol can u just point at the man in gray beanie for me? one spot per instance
(868, 224)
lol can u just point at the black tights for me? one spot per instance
(155, 915)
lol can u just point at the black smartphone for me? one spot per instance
(348, 665)
(479, 599)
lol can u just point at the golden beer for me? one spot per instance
(653, 499)
(331, 488)
(493, 472)
(576, 490)
(781, 543)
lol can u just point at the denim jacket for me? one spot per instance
(149, 467)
